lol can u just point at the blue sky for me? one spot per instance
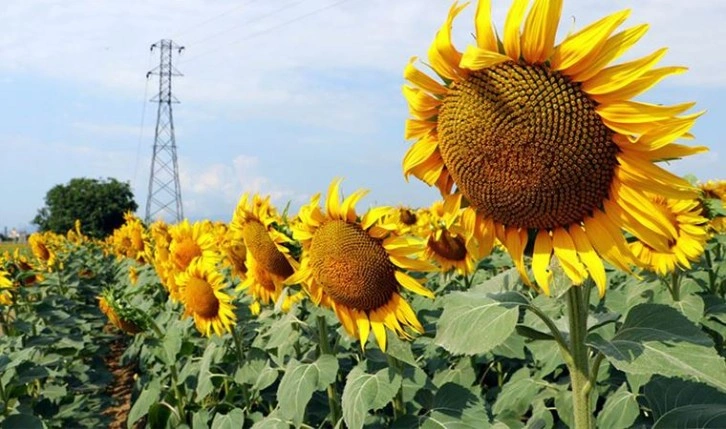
(277, 97)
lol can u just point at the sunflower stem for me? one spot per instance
(399, 409)
(559, 338)
(238, 346)
(333, 402)
(178, 394)
(577, 307)
(711, 273)
(675, 286)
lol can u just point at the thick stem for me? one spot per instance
(579, 368)
(675, 286)
(333, 402)
(399, 409)
(711, 274)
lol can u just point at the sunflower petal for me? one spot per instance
(589, 257)
(638, 86)
(443, 56)
(613, 48)
(616, 77)
(364, 326)
(332, 203)
(564, 249)
(628, 112)
(348, 207)
(485, 36)
(515, 240)
(475, 58)
(540, 28)
(379, 330)
(541, 260)
(417, 128)
(412, 284)
(586, 43)
(421, 80)
(512, 25)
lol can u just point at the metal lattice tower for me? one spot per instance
(164, 196)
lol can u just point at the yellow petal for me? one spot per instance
(412, 284)
(421, 80)
(443, 56)
(668, 132)
(411, 264)
(589, 257)
(627, 112)
(613, 48)
(485, 37)
(609, 245)
(511, 28)
(675, 151)
(416, 128)
(348, 207)
(418, 153)
(479, 59)
(379, 330)
(540, 28)
(638, 86)
(332, 203)
(541, 260)
(346, 320)
(565, 251)
(587, 42)
(364, 326)
(515, 241)
(619, 76)
(420, 104)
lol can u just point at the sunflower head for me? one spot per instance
(686, 247)
(191, 241)
(256, 228)
(714, 196)
(6, 297)
(355, 266)
(201, 288)
(41, 244)
(544, 139)
(131, 240)
(123, 316)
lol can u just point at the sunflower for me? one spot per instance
(268, 259)
(27, 274)
(201, 290)
(716, 189)
(452, 237)
(109, 306)
(191, 241)
(688, 246)
(545, 140)
(234, 253)
(355, 266)
(6, 298)
(41, 246)
(131, 240)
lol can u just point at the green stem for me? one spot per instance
(399, 409)
(579, 368)
(675, 286)
(333, 402)
(559, 338)
(178, 394)
(238, 346)
(594, 370)
(5, 398)
(711, 274)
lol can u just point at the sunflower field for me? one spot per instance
(564, 279)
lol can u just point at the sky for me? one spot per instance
(277, 97)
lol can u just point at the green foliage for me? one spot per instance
(99, 205)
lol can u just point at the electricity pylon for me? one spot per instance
(164, 189)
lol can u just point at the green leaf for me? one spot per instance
(657, 339)
(266, 377)
(455, 407)
(204, 383)
(364, 392)
(620, 410)
(25, 421)
(233, 420)
(505, 281)
(200, 419)
(533, 334)
(694, 416)
(400, 349)
(462, 373)
(171, 343)
(300, 381)
(474, 323)
(667, 394)
(517, 394)
(541, 417)
(271, 421)
(146, 399)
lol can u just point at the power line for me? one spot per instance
(249, 21)
(141, 127)
(267, 30)
(214, 18)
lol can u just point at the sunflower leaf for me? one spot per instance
(364, 392)
(300, 381)
(657, 339)
(493, 321)
(620, 410)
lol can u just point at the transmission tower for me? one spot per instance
(164, 189)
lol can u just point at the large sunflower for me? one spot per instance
(41, 244)
(131, 240)
(268, 259)
(191, 241)
(545, 140)
(201, 290)
(687, 247)
(6, 298)
(355, 266)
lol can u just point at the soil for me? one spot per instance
(122, 387)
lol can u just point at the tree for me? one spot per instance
(99, 205)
